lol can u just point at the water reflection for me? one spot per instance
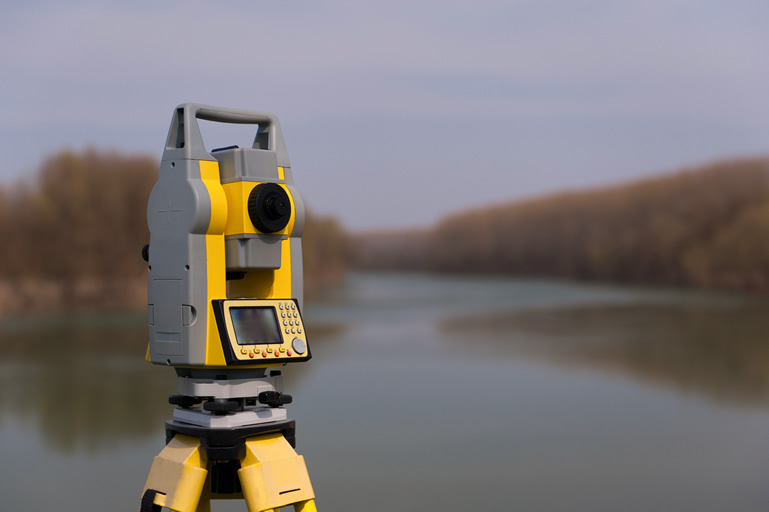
(82, 381)
(718, 350)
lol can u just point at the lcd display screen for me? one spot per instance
(255, 326)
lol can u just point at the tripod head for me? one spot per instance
(225, 254)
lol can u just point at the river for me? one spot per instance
(432, 393)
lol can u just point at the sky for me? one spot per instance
(398, 113)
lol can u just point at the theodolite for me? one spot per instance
(225, 302)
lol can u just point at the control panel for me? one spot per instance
(261, 331)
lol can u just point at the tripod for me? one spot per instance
(218, 458)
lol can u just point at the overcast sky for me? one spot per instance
(396, 113)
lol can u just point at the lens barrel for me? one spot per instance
(269, 207)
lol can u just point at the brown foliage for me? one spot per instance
(81, 225)
(73, 235)
(325, 251)
(705, 226)
(391, 250)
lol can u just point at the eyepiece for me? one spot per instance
(269, 207)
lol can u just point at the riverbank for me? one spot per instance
(705, 227)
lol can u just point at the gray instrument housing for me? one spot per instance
(179, 214)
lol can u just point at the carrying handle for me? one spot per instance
(185, 141)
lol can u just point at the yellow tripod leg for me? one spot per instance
(177, 475)
(272, 475)
(305, 506)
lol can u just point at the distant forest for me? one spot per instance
(706, 226)
(72, 235)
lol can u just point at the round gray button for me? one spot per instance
(299, 346)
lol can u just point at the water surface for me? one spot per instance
(429, 393)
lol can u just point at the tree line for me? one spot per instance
(73, 234)
(705, 226)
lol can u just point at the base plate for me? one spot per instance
(249, 416)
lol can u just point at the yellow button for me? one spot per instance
(269, 349)
(243, 351)
(282, 349)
